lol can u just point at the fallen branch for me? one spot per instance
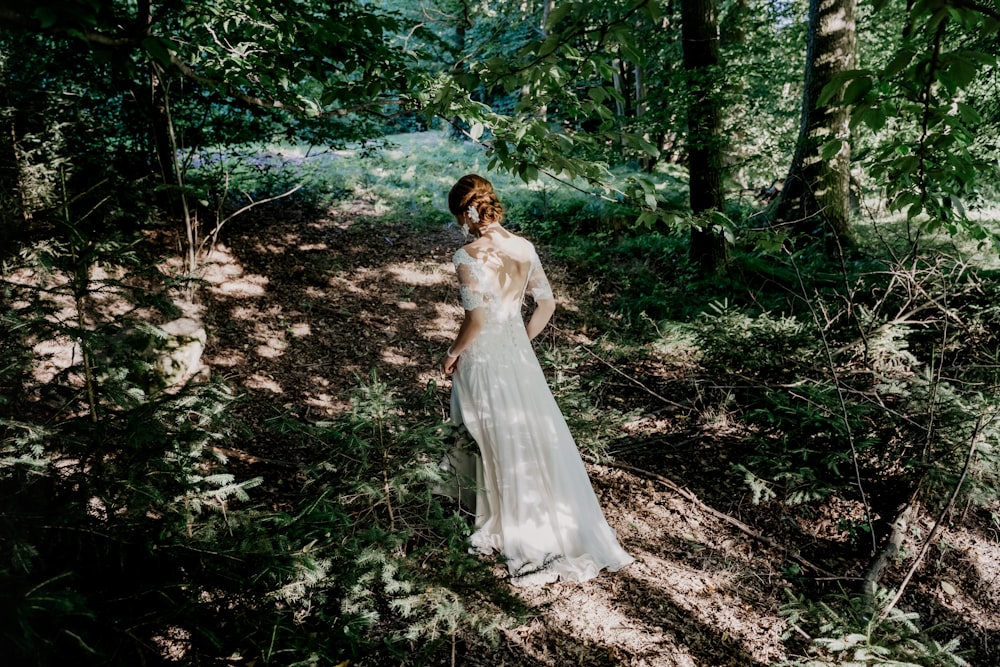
(736, 523)
(886, 555)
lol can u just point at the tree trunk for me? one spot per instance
(461, 28)
(816, 193)
(155, 102)
(13, 213)
(700, 36)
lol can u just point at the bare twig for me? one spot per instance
(626, 375)
(973, 442)
(214, 234)
(886, 555)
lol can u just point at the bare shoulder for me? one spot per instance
(518, 247)
(475, 249)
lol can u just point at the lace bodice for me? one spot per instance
(497, 281)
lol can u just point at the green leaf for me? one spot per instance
(873, 117)
(899, 62)
(831, 149)
(558, 13)
(907, 164)
(158, 49)
(640, 143)
(857, 90)
(549, 45)
(968, 114)
(46, 17)
(836, 85)
(597, 93)
(961, 70)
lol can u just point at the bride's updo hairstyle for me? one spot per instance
(475, 191)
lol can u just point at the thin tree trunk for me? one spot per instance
(700, 35)
(14, 212)
(816, 194)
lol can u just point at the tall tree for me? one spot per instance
(700, 36)
(817, 189)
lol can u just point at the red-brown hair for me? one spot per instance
(474, 190)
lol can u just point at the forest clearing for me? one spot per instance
(227, 283)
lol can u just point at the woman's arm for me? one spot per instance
(540, 317)
(472, 325)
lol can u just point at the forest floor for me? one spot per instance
(301, 308)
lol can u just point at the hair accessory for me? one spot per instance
(472, 214)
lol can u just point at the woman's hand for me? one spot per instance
(448, 364)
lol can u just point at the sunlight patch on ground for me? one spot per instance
(220, 265)
(58, 353)
(228, 359)
(110, 301)
(365, 206)
(315, 293)
(690, 577)
(397, 358)
(325, 402)
(306, 247)
(173, 643)
(244, 313)
(272, 348)
(246, 286)
(435, 375)
(982, 554)
(444, 325)
(967, 596)
(712, 599)
(264, 383)
(270, 248)
(97, 509)
(591, 616)
(223, 272)
(411, 273)
(300, 329)
(353, 284)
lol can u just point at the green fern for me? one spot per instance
(843, 634)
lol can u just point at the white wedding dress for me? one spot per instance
(533, 498)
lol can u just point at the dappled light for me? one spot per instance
(225, 276)
(247, 420)
(263, 383)
(295, 324)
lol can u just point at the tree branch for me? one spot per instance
(985, 10)
(17, 20)
(367, 107)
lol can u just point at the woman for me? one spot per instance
(534, 502)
